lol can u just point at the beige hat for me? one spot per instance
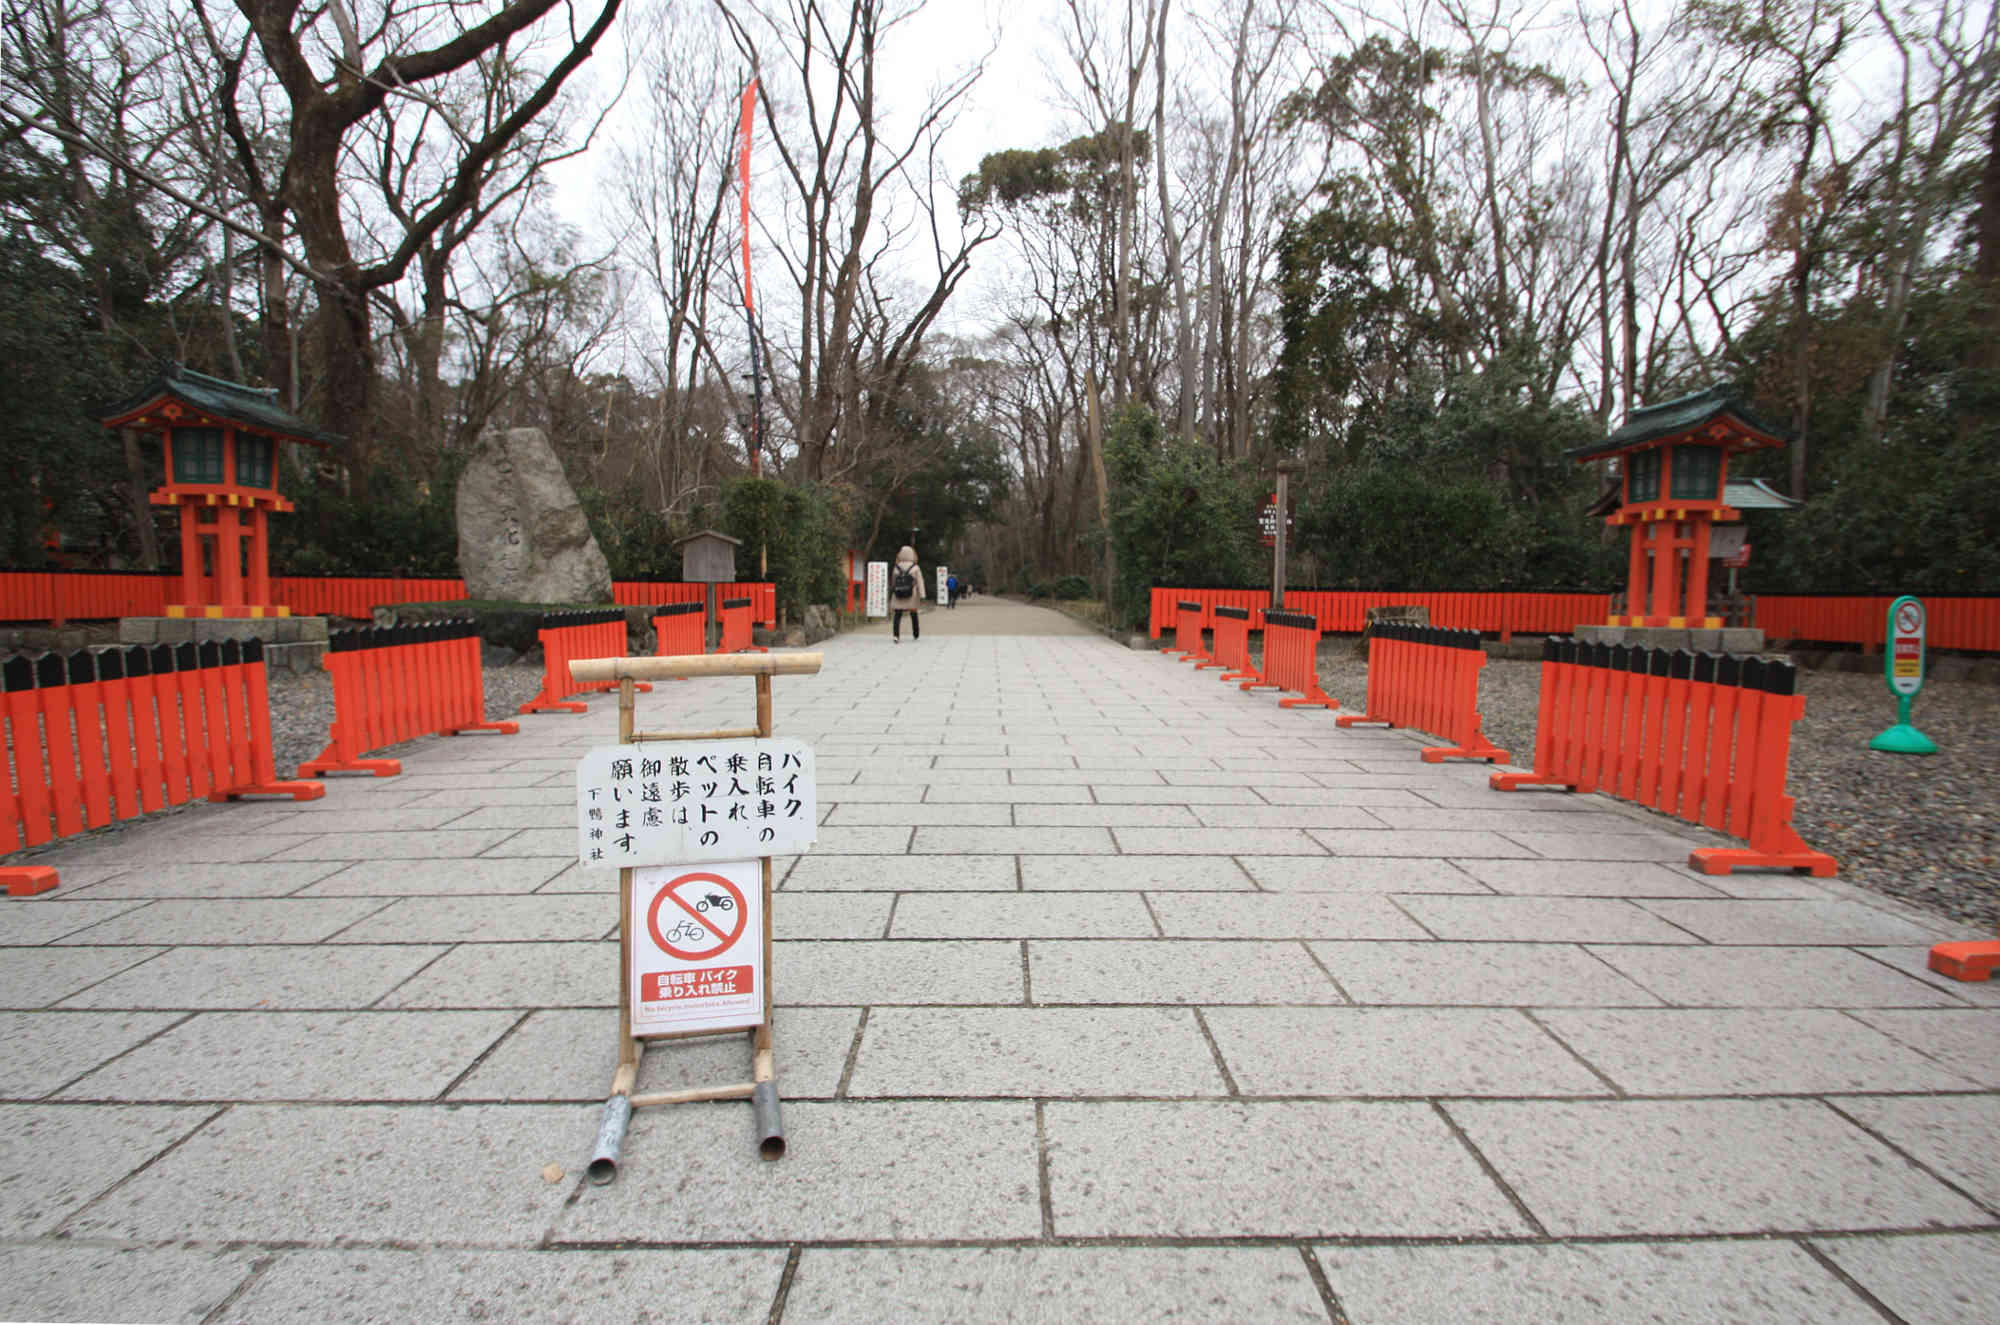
(906, 557)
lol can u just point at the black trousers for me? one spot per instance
(896, 623)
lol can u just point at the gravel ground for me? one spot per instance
(1922, 829)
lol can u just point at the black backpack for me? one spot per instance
(905, 583)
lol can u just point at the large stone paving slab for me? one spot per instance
(42, 921)
(1034, 1052)
(55, 1158)
(852, 974)
(232, 921)
(1021, 915)
(1586, 878)
(316, 1174)
(1791, 922)
(545, 917)
(1359, 874)
(1744, 1051)
(1773, 1283)
(1962, 1041)
(1541, 920)
(1125, 873)
(1176, 971)
(1298, 915)
(898, 873)
(1769, 977)
(1703, 1166)
(1956, 1135)
(512, 975)
(1265, 1170)
(1478, 975)
(56, 1282)
(629, 1285)
(45, 1049)
(440, 877)
(259, 977)
(1369, 1052)
(1953, 1277)
(300, 1056)
(38, 977)
(974, 1285)
(863, 1171)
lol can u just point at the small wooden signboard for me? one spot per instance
(690, 828)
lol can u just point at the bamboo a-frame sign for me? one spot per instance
(694, 916)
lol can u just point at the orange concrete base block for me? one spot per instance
(1966, 961)
(27, 880)
(1727, 860)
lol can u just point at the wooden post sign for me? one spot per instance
(690, 820)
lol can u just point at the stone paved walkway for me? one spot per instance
(1109, 993)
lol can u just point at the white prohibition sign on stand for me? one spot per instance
(697, 948)
(943, 574)
(878, 589)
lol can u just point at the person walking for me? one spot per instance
(906, 594)
(951, 592)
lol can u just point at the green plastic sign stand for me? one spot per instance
(1903, 669)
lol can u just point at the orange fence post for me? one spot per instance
(736, 628)
(1187, 624)
(1762, 812)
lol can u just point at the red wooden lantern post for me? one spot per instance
(1674, 463)
(219, 446)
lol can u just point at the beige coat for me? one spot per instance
(915, 601)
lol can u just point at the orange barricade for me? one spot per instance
(98, 736)
(1232, 643)
(1291, 660)
(1187, 632)
(1705, 737)
(680, 628)
(736, 628)
(1427, 677)
(567, 636)
(397, 684)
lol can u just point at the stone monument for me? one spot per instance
(522, 535)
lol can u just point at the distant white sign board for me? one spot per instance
(878, 588)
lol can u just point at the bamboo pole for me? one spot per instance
(707, 664)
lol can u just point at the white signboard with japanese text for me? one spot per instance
(878, 588)
(697, 947)
(943, 574)
(685, 801)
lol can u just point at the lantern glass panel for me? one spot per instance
(1643, 480)
(253, 460)
(1697, 473)
(197, 455)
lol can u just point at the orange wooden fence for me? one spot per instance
(566, 637)
(1188, 622)
(1971, 624)
(1705, 737)
(680, 628)
(397, 684)
(1291, 660)
(736, 614)
(1427, 678)
(99, 735)
(59, 597)
(1231, 649)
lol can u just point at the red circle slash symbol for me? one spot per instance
(720, 922)
(1909, 618)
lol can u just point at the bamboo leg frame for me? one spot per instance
(762, 1089)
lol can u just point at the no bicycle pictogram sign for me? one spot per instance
(697, 917)
(697, 947)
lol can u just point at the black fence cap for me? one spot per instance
(1234, 613)
(82, 667)
(49, 671)
(1680, 664)
(111, 664)
(1729, 669)
(1661, 662)
(232, 653)
(1639, 660)
(676, 609)
(736, 602)
(1186, 606)
(253, 650)
(210, 653)
(18, 673)
(138, 661)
